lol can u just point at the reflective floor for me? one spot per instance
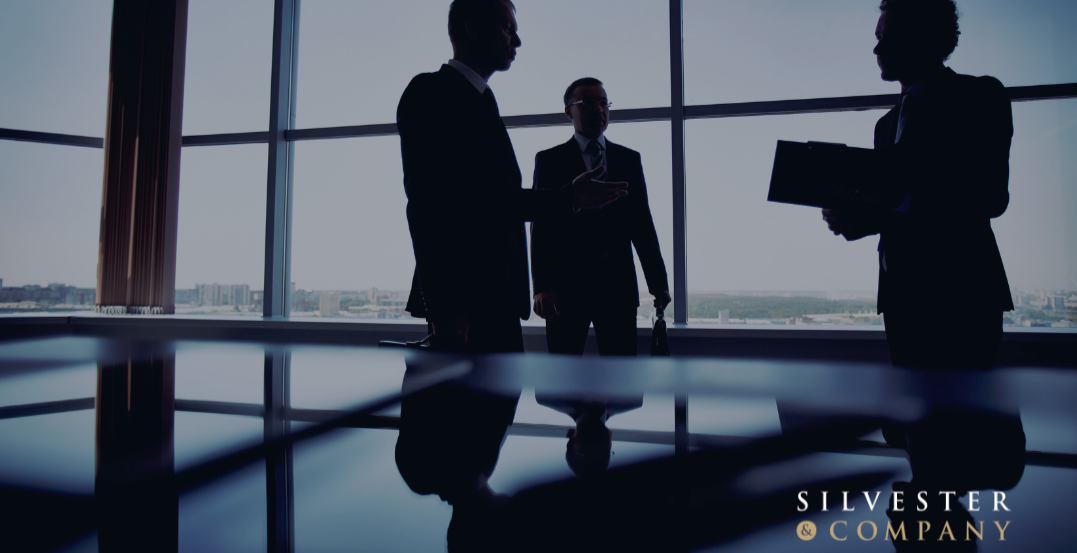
(209, 446)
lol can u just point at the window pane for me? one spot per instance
(340, 85)
(54, 59)
(349, 229)
(220, 260)
(349, 194)
(229, 57)
(1038, 233)
(752, 50)
(652, 141)
(49, 223)
(779, 260)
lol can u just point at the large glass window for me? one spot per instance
(220, 254)
(49, 222)
(229, 56)
(1038, 233)
(752, 261)
(753, 50)
(356, 58)
(54, 59)
(351, 247)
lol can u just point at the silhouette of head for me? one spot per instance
(914, 37)
(589, 448)
(483, 32)
(590, 118)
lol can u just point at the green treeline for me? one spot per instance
(708, 306)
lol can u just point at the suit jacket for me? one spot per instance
(953, 157)
(588, 256)
(466, 208)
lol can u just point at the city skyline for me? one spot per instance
(1033, 307)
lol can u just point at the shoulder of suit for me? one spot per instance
(560, 149)
(984, 82)
(613, 146)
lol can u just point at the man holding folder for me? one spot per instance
(946, 147)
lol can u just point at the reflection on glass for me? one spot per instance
(343, 378)
(54, 57)
(627, 46)
(230, 373)
(59, 384)
(49, 452)
(220, 259)
(752, 50)
(49, 222)
(229, 52)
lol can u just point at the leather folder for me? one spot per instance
(821, 174)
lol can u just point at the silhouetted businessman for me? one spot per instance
(466, 208)
(947, 145)
(583, 269)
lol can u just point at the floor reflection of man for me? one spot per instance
(449, 443)
(960, 451)
(590, 444)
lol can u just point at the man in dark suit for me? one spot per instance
(946, 150)
(466, 208)
(583, 269)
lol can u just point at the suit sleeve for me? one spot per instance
(440, 204)
(645, 237)
(545, 267)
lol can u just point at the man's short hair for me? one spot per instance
(462, 10)
(586, 81)
(934, 22)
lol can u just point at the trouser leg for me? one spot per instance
(489, 334)
(567, 333)
(921, 344)
(616, 334)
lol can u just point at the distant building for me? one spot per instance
(223, 294)
(723, 317)
(329, 305)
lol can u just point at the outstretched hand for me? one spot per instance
(836, 220)
(589, 193)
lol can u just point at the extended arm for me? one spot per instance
(645, 239)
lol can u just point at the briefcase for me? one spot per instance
(659, 338)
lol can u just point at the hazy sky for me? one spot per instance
(356, 57)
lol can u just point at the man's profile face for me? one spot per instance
(893, 52)
(497, 37)
(589, 121)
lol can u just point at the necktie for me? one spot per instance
(597, 154)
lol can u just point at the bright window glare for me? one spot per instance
(54, 62)
(229, 47)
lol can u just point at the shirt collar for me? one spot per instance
(583, 141)
(469, 74)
